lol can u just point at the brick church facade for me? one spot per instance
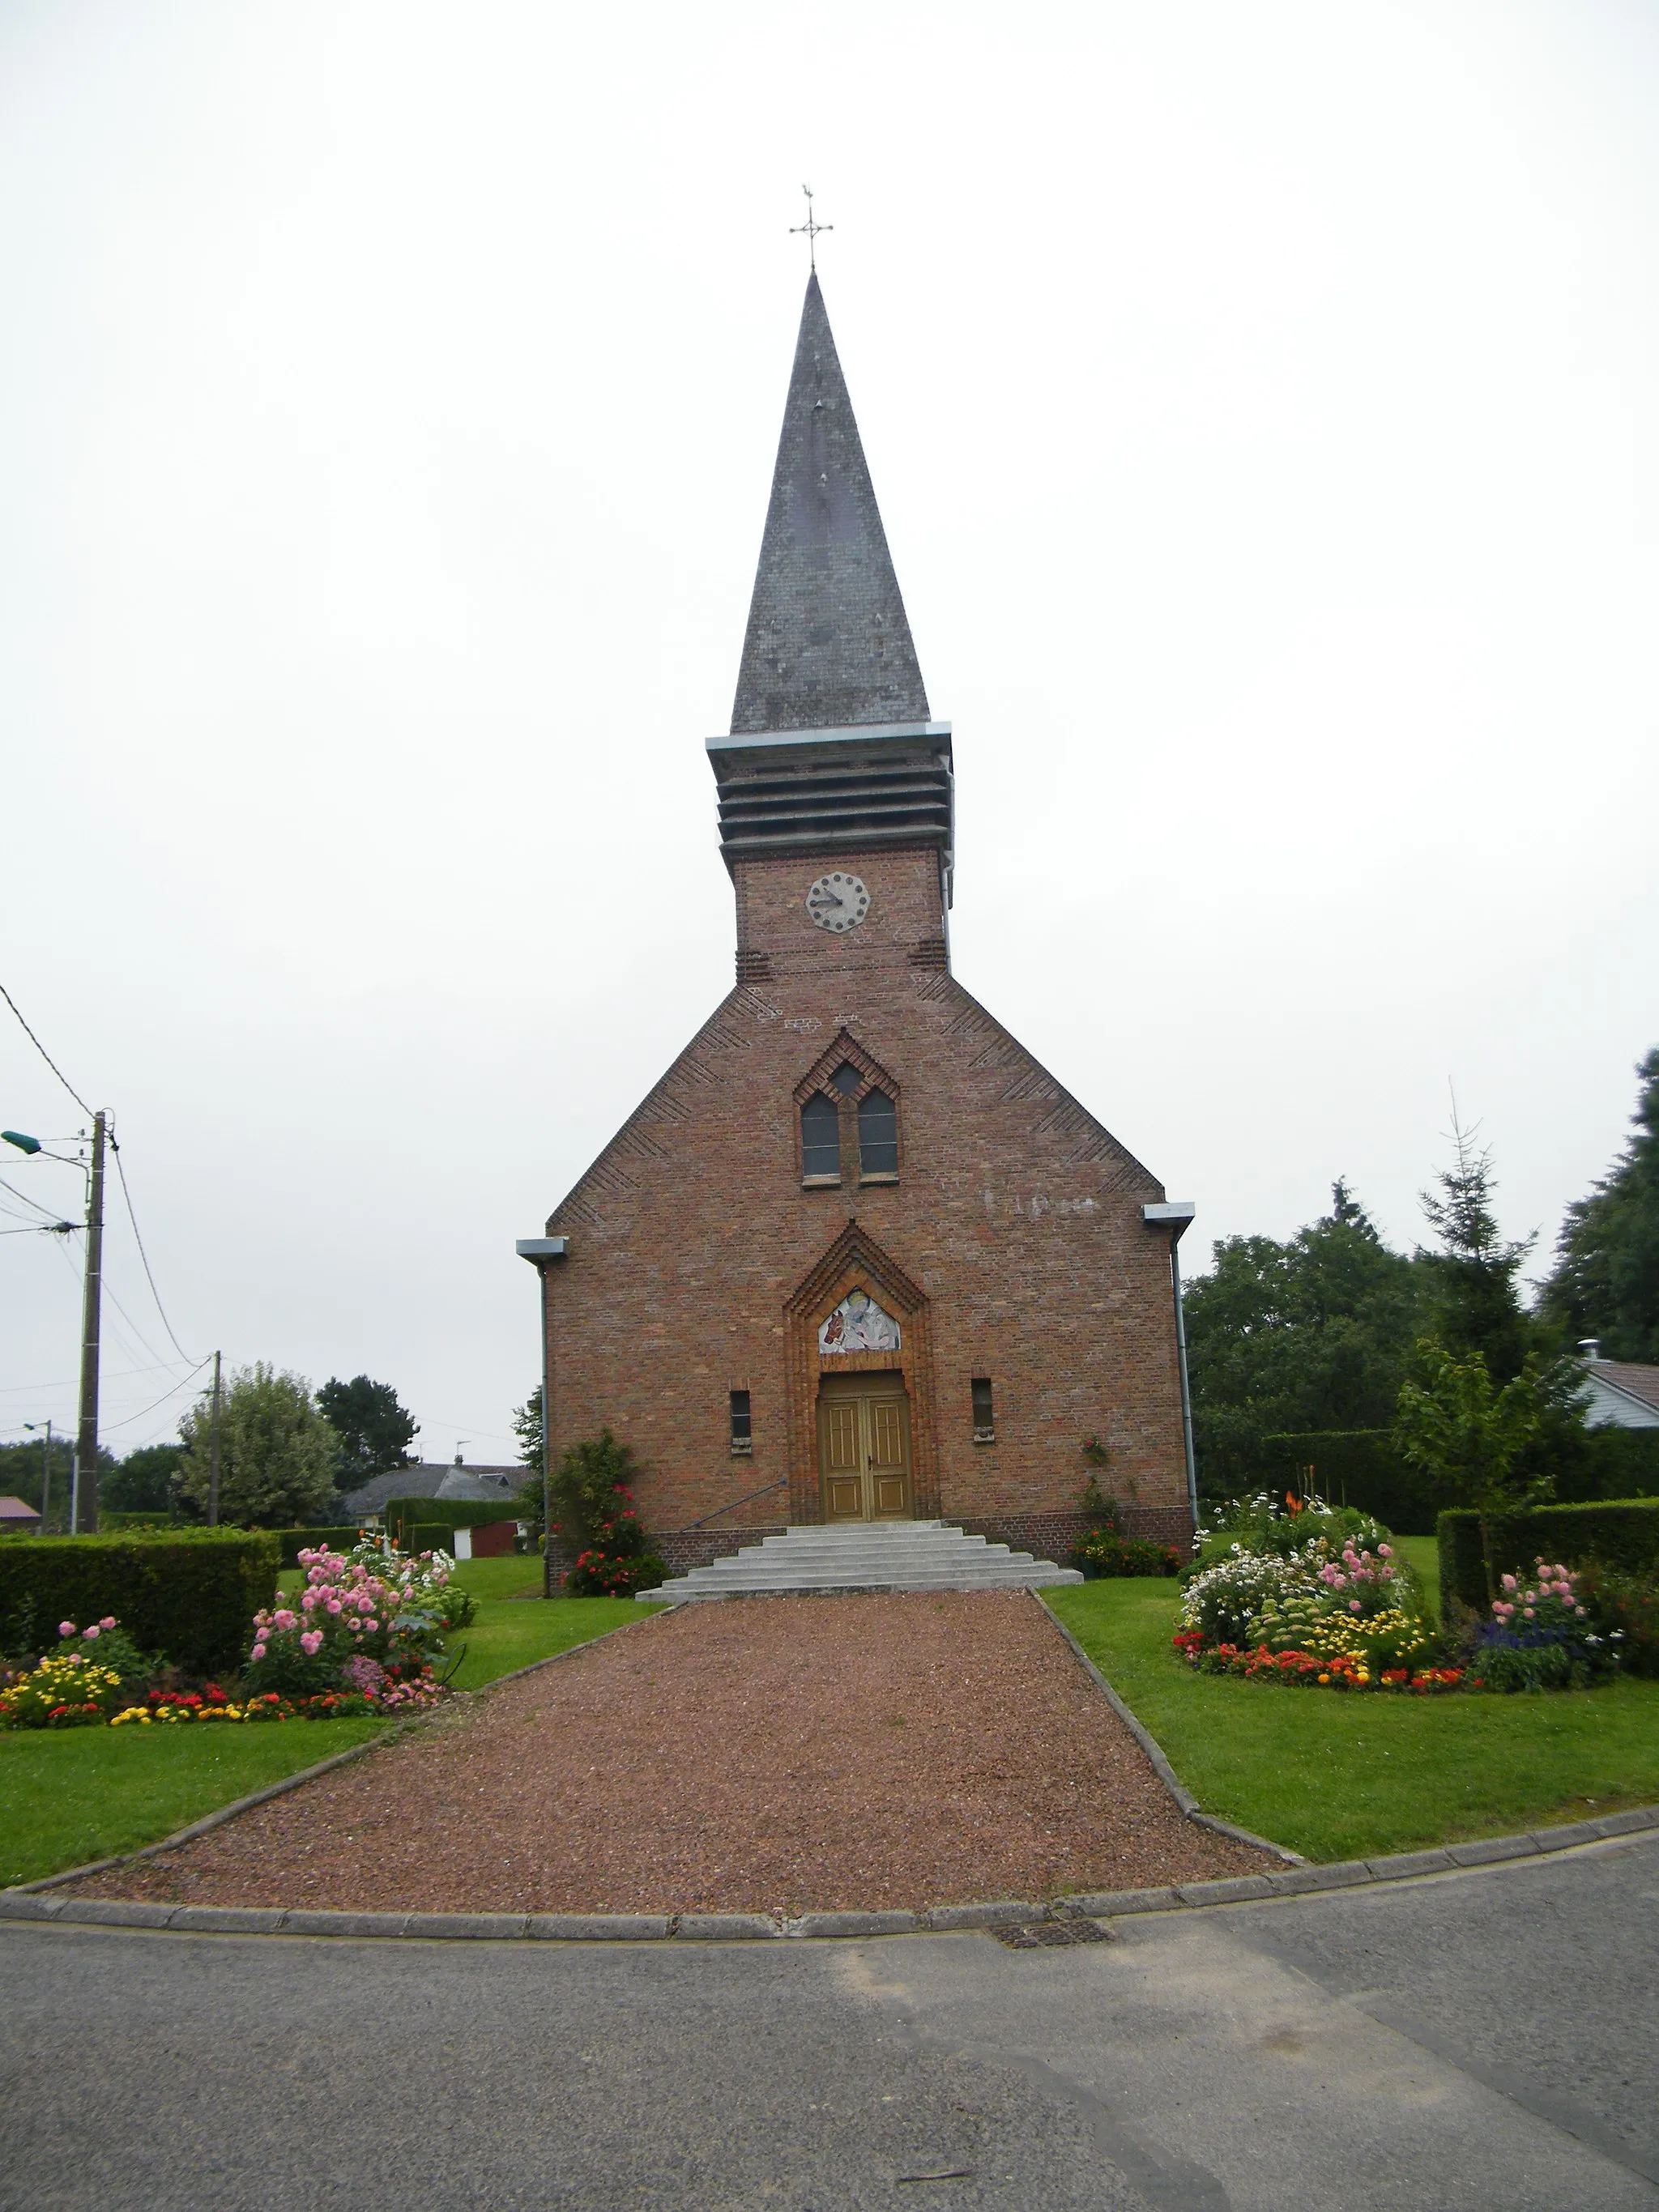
(857, 1255)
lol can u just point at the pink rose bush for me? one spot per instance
(366, 1625)
(1542, 1635)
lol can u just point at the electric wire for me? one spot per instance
(108, 1428)
(45, 1055)
(127, 1195)
(27, 1201)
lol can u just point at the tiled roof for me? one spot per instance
(1625, 1374)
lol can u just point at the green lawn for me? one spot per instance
(1337, 1776)
(73, 1794)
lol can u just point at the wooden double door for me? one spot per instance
(864, 1448)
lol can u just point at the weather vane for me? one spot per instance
(809, 230)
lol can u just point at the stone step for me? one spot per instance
(864, 1555)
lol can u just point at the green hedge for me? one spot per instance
(1353, 1466)
(295, 1541)
(444, 1513)
(1622, 1533)
(1360, 1467)
(117, 1524)
(187, 1594)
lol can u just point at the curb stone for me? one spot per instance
(24, 1904)
(1154, 1751)
(388, 1735)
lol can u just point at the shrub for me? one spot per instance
(295, 1541)
(66, 1691)
(1622, 1535)
(1541, 1635)
(1222, 1601)
(1363, 1467)
(1625, 1606)
(1280, 1524)
(186, 1594)
(374, 1604)
(1103, 1551)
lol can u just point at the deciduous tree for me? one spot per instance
(277, 1454)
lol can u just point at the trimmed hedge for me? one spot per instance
(295, 1541)
(187, 1594)
(1353, 1466)
(1622, 1533)
(446, 1513)
(117, 1524)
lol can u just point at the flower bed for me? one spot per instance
(1307, 1597)
(360, 1641)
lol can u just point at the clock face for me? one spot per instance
(838, 902)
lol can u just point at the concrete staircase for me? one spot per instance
(865, 1555)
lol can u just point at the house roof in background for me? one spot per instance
(15, 1509)
(1637, 1382)
(435, 1478)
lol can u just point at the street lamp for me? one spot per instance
(539, 1251)
(45, 1476)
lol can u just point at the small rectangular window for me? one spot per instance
(985, 1426)
(742, 1433)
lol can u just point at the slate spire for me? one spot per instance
(828, 644)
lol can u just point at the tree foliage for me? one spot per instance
(143, 1482)
(374, 1428)
(277, 1453)
(1471, 1437)
(527, 1427)
(1476, 1301)
(1316, 1333)
(1605, 1281)
(586, 1481)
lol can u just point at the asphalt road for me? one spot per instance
(1487, 2040)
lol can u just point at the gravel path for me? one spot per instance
(776, 1755)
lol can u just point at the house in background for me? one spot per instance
(1617, 1392)
(438, 1478)
(16, 1517)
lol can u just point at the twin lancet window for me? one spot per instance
(872, 1128)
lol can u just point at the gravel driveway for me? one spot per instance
(777, 1756)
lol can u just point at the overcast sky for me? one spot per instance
(1262, 405)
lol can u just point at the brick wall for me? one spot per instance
(1011, 1247)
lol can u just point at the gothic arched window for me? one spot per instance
(820, 1139)
(878, 1135)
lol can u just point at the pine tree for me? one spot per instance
(1476, 1301)
(1605, 1281)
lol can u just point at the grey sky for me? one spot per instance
(1260, 405)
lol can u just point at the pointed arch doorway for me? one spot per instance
(864, 1448)
(857, 1338)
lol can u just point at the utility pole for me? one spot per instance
(86, 1442)
(213, 1452)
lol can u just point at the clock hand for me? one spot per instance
(828, 898)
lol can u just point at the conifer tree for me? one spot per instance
(1476, 1301)
(1605, 1281)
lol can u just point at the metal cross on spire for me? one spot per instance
(809, 230)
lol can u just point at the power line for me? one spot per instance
(127, 1196)
(110, 1426)
(45, 1055)
(26, 1200)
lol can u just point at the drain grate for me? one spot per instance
(1051, 1935)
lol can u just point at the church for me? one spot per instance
(859, 1257)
